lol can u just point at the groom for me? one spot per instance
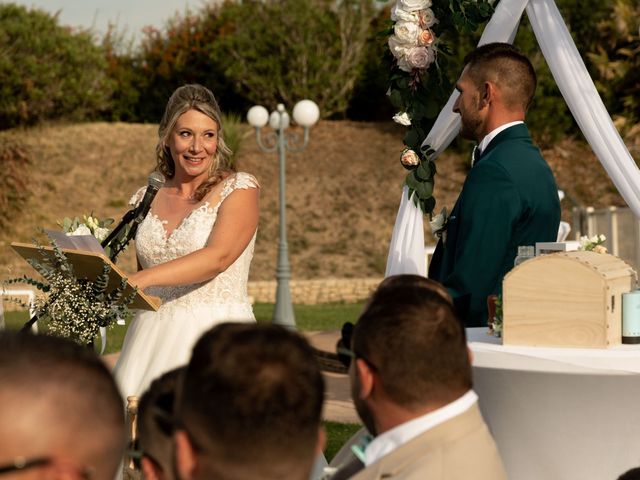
(509, 197)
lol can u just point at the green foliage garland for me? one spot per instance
(418, 89)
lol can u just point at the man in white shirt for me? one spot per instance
(411, 385)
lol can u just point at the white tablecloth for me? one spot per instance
(557, 413)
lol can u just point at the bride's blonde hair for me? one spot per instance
(200, 98)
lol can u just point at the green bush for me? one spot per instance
(48, 71)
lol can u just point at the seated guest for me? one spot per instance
(250, 406)
(61, 414)
(155, 426)
(411, 385)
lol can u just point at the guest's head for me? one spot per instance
(61, 414)
(155, 422)
(496, 87)
(633, 474)
(184, 101)
(410, 353)
(250, 406)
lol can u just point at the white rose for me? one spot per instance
(409, 158)
(402, 118)
(398, 49)
(81, 230)
(407, 32)
(420, 57)
(413, 5)
(427, 18)
(403, 64)
(398, 14)
(101, 233)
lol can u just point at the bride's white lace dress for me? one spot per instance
(160, 341)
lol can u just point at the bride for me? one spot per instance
(194, 247)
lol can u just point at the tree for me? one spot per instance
(48, 71)
(286, 50)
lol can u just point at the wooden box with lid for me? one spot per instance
(568, 299)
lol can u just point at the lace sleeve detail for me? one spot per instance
(245, 180)
(137, 197)
(240, 180)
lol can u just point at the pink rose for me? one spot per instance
(420, 57)
(426, 37)
(409, 158)
(427, 18)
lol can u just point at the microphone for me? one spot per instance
(154, 183)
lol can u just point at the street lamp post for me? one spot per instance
(305, 114)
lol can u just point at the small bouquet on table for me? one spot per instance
(81, 290)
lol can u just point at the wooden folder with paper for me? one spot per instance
(88, 261)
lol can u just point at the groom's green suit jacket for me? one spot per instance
(509, 198)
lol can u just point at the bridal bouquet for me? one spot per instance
(72, 307)
(417, 86)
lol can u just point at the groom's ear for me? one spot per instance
(185, 455)
(488, 94)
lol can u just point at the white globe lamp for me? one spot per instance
(279, 118)
(306, 113)
(257, 116)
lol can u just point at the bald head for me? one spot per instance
(59, 402)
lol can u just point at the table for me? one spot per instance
(559, 413)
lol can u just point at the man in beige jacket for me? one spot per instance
(411, 385)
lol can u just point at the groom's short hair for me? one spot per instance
(251, 402)
(509, 69)
(59, 400)
(409, 333)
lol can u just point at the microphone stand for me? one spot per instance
(116, 235)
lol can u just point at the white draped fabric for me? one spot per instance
(579, 92)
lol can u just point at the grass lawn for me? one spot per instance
(337, 435)
(329, 316)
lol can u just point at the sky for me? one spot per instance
(131, 15)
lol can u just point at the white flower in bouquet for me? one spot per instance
(409, 158)
(88, 225)
(403, 119)
(420, 57)
(427, 18)
(593, 244)
(398, 49)
(101, 233)
(82, 229)
(397, 14)
(403, 64)
(407, 32)
(413, 5)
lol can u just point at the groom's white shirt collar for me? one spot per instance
(390, 440)
(492, 134)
